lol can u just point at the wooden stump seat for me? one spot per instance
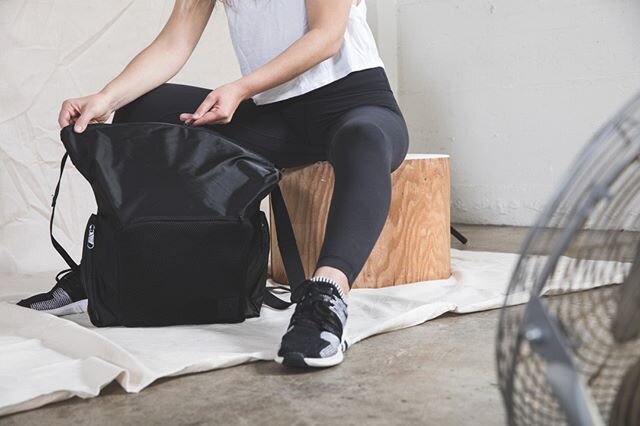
(415, 241)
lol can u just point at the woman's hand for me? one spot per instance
(82, 111)
(219, 105)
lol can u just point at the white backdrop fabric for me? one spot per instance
(51, 51)
(44, 358)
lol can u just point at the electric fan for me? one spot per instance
(571, 354)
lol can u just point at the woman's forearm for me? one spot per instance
(327, 22)
(165, 56)
(153, 66)
(312, 48)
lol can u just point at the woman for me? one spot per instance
(313, 88)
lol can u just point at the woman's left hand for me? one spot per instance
(218, 107)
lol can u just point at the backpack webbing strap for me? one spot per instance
(288, 250)
(55, 242)
(274, 301)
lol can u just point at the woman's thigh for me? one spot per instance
(269, 130)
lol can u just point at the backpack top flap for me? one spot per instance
(164, 169)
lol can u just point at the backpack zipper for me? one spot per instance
(91, 236)
(204, 219)
(87, 258)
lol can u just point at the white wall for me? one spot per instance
(512, 89)
(383, 20)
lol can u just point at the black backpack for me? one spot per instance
(178, 237)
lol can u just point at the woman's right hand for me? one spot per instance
(96, 108)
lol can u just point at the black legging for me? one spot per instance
(354, 123)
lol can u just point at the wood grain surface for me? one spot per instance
(415, 241)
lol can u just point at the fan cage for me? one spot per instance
(576, 243)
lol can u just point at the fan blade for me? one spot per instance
(625, 410)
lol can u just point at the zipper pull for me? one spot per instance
(90, 237)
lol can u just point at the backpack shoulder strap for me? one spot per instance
(288, 250)
(55, 242)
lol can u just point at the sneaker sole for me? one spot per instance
(72, 308)
(291, 360)
(295, 360)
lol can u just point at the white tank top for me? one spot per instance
(262, 29)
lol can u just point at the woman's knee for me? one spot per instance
(360, 140)
(359, 128)
(359, 137)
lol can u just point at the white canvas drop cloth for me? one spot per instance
(44, 358)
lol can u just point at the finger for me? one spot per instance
(64, 118)
(186, 117)
(66, 115)
(212, 117)
(217, 115)
(205, 106)
(72, 119)
(83, 121)
(208, 118)
(188, 120)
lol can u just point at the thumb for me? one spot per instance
(82, 122)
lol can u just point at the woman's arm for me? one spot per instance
(327, 24)
(166, 54)
(154, 65)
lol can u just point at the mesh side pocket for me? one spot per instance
(98, 271)
(183, 271)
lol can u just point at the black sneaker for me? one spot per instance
(314, 336)
(66, 297)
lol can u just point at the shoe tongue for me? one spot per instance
(324, 288)
(317, 288)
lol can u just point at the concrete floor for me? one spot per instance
(440, 373)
